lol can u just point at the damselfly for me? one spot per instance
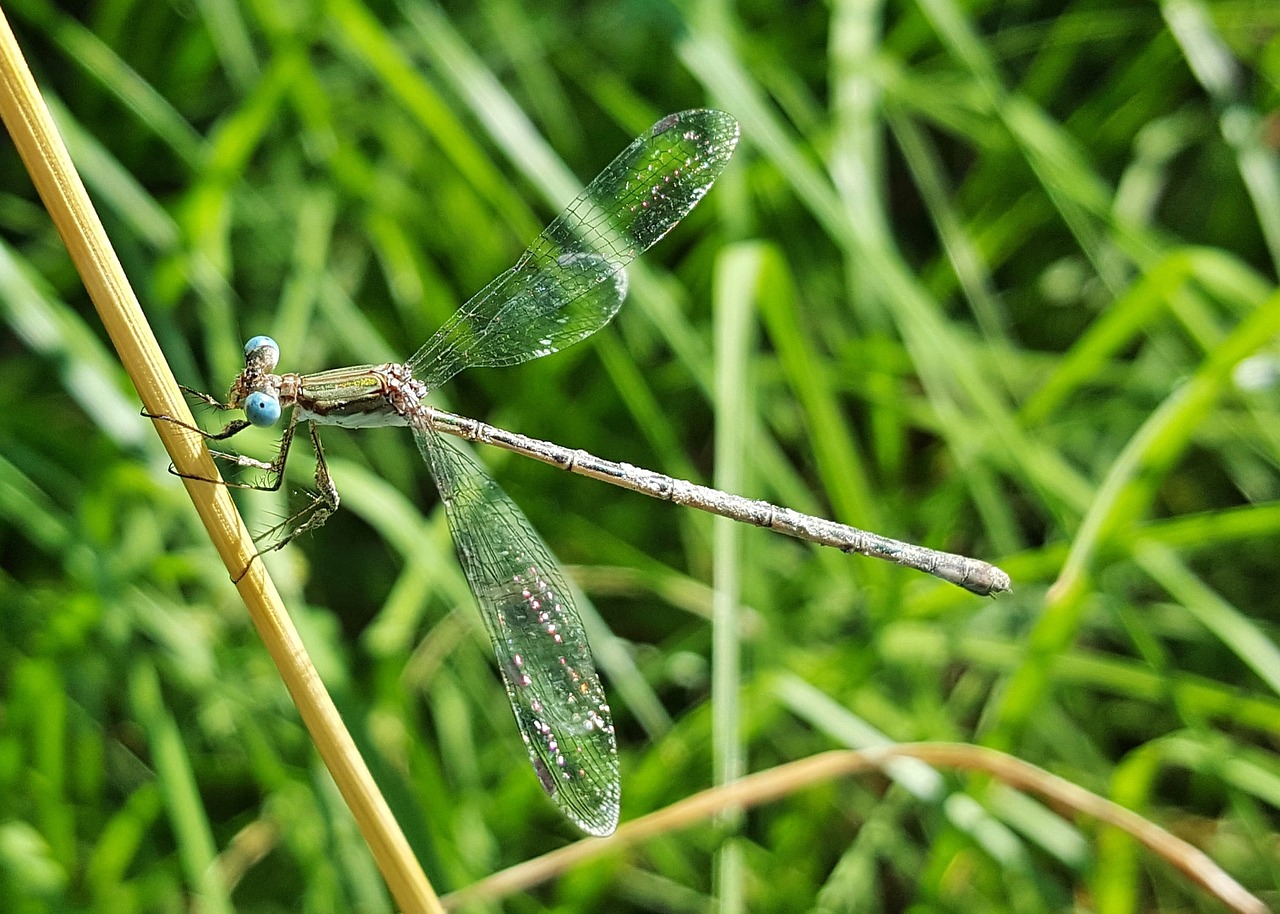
(567, 285)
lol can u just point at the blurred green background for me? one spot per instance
(994, 277)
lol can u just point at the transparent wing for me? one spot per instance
(571, 280)
(537, 636)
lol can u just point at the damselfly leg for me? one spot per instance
(321, 503)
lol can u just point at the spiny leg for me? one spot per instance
(322, 504)
(206, 399)
(324, 501)
(231, 429)
(274, 468)
(234, 427)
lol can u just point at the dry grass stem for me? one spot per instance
(46, 159)
(775, 783)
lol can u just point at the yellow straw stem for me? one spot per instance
(46, 159)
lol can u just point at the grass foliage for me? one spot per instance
(998, 278)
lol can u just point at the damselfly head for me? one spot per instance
(256, 390)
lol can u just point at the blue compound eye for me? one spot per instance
(258, 342)
(264, 350)
(261, 409)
